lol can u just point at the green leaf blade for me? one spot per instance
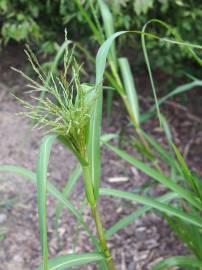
(130, 88)
(122, 223)
(30, 176)
(96, 120)
(192, 219)
(42, 167)
(181, 261)
(157, 176)
(71, 260)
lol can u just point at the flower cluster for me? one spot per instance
(64, 107)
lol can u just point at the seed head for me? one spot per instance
(64, 106)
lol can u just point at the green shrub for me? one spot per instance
(39, 22)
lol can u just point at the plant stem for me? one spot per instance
(96, 216)
(101, 235)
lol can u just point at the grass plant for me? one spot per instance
(71, 112)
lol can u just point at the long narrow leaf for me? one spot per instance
(165, 155)
(192, 219)
(108, 23)
(95, 126)
(30, 176)
(157, 175)
(42, 167)
(189, 235)
(177, 40)
(90, 22)
(186, 172)
(96, 121)
(178, 90)
(132, 217)
(181, 261)
(150, 71)
(71, 260)
(130, 88)
(176, 35)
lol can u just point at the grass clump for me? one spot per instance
(72, 112)
(65, 111)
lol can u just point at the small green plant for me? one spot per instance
(71, 112)
(65, 111)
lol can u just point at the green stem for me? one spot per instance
(101, 235)
(96, 216)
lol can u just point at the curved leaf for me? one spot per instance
(96, 120)
(71, 260)
(20, 171)
(192, 219)
(178, 90)
(95, 125)
(182, 261)
(135, 215)
(178, 41)
(29, 175)
(157, 176)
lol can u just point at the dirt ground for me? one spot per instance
(138, 246)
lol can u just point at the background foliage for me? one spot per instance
(43, 22)
(184, 16)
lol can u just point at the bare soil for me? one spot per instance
(137, 247)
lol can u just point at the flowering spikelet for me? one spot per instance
(67, 106)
